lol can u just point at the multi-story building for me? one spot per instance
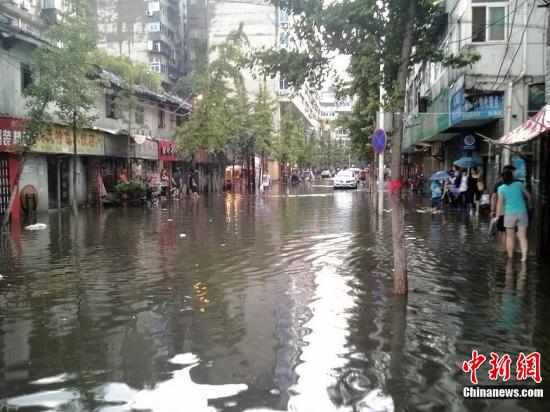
(265, 26)
(150, 32)
(143, 137)
(330, 109)
(454, 112)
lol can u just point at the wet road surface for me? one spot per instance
(238, 302)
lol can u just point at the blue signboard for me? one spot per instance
(487, 106)
(379, 141)
(457, 106)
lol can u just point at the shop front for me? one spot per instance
(146, 156)
(168, 156)
(52, 166)
(11, 130)
(117, 148)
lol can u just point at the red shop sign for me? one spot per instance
(11, 131)
(167, 150)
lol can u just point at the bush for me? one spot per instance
(134, 189)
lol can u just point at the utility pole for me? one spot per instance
(381, 155)
(546, 4)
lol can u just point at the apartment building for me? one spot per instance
(140, 141)
(265, 26)
(452, 112)
(330, 108)
(151, 32)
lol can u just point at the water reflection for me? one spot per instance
(280, 302)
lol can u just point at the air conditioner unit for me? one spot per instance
(284, 24)
(25, 5)
(148, 13)
(16, 2)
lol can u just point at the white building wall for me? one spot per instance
(12, 102)
(259, 24)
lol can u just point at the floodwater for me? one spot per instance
(279, 302)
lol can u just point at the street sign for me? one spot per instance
(379, 140)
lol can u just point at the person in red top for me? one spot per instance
(122, 175)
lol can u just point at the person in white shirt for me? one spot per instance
(266, 182)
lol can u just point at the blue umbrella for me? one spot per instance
(467, 162)
(442, 175)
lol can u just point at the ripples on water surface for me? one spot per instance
(279, 303)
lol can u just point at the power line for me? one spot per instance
(519, 47)
(505, 51)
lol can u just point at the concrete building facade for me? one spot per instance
(490, 97)
(150, 32)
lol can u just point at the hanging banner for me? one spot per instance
(379, 140)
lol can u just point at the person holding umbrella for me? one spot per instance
(436, 186)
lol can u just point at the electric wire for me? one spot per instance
(506, 50)
(519, 47)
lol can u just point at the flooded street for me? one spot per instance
(238, 302)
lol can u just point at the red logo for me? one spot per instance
(527, 366)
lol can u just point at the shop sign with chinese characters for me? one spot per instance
(11, 132)
(167, 150)
(60, 140)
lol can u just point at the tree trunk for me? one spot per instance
(75, 201)
(396, 200)
(14, 190)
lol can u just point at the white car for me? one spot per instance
(325, 174)
(345, 179)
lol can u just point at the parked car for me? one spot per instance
(345, 179)
(325, 174)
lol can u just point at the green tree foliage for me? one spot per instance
(331, 153)
(293, 147)
(223, 120)
(131, 73)
(64, 77)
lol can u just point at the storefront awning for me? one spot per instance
(529, 130)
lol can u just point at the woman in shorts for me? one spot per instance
(515, 200)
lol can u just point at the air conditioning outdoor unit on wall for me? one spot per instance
(148, 13)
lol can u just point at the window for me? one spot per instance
(284, 84)
(283, 16)
(488, 23)
(162, 123)
(153, 26)
(536, 99)
(26, 76)
(283, 39)
(110, 106)
(139, 115)
(155, 67)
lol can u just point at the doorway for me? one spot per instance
(58, 182)
(4, 183)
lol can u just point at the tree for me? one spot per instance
(291, 147)
(368, 31)
(65, 78)
(130, 76)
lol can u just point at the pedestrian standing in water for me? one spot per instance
(515, 200)
(176, 182)
(266, 182)
(437, 193)
(193, 183)
(494, 201)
